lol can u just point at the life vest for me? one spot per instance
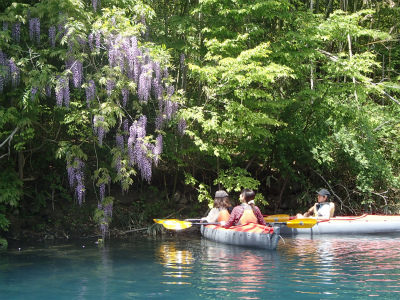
(223, 215)
(248, 215)
(317, 206)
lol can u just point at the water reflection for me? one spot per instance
(365, 265)
(243, 273)
(177, 262)
(330, 267)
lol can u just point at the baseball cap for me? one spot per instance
(324, 192)
(220, 194)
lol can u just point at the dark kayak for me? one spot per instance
(249, 235)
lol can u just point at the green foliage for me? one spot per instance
(269, 90)
(10, 187)
(202, 189)
(236, 179)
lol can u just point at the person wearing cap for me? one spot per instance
(220, 210)
(322, 209)
(246, 212)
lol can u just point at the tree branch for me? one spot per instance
(8, 139)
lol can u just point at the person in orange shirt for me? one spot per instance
(220, 211)
(246, 212)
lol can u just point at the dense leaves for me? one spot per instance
(283, 97)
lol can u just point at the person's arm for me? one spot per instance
(310, 212)
(259, 216)
(212, 216)
(234, 218)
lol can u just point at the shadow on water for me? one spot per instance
(326, 267)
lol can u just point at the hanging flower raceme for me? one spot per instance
(9, 72)
(125, 95)
(99, 128)
(90, 92)
(182, 126)
(34, 30)
(96, 4)
(76, 177)
(62, 92)
(157, 149)
(16, 32)
(34, 90)
(52, 36)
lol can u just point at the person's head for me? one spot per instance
(247, 195)
(323, 195)
(221, 199)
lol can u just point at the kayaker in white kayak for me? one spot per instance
(246, 212)
(220, 211)
(323, 209)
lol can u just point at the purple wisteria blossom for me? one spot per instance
(120, 141)
(34, 90)
(99, 128)
(96, 4)
(76, 177)
(97, 39)
(90, 92)
(77, 73)
(52, 36)
(144, 85)
(102, 189)
(34, 29)
(16, 32)
(157, 149)
(14, 73)
(125, 95)
(110, 86)
(182, 126)
(90, 41)
(62, 92)
(125, 124)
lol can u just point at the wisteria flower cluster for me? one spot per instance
(138, 148)
(62, 92)
(9, 72)
(34, 29)
(99, 129)
(130, 65)
(76, 177)
(105, 206)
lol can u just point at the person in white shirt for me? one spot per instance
(220, 211)
(322, 209)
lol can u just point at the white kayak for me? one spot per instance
(364, 224)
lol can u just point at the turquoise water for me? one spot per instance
(329, 267)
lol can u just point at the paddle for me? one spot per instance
(298, 223)
(177, 225)
(277, 218)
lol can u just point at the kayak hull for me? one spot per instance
(365, 224)
(249, 235)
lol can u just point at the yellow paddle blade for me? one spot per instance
(301, 223)
(276, 218)
(176, 224)
(160, 221)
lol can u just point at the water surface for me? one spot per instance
(327, 267)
